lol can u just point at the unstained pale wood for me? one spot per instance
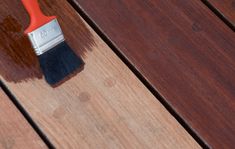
(15, 132)
(103, 106)
(184, 51)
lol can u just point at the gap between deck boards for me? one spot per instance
(131, 67)
(26, 115)
(137, 73)
(219, 14)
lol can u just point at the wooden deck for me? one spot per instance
(157, 74)
(184, 51)
(226, 9)
(15, 132)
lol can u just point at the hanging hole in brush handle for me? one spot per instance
(37, 18)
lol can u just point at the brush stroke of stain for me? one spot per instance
(77, 34)
(18, 61)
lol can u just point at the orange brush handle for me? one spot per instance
(37, 18)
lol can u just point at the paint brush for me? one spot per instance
(57, 59)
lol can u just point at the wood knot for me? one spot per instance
(109, 82)
(196, 27)
(59, 112)
(84, 97)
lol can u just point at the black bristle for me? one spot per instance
(59, 62)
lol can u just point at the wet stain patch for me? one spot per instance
(17, 59)
(77, 34)
(18, 62)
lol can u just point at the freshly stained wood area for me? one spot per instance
(226, 8)
(184, 51)
(15, 132)
(104, 106)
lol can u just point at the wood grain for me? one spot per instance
(184, 51)
(15, 132)
(226, 8)
(104, 106)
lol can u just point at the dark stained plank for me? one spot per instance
(104, 106)
(184, 51)
(226, 8)
(15, 131)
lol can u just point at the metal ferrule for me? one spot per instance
(46, 37)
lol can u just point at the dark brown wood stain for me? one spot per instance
(71, 27)
(184, 51)
(18, 61)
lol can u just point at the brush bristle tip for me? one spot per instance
(58, 63)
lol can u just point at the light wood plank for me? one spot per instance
(15, 132)
(104, 106)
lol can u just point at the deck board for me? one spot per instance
(15, 131)
(103, 106)
(226, 8)
(184, 51)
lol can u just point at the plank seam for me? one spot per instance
(219, 14)
(26, 116)
(134, 70)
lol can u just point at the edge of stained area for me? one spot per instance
(18, 62)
